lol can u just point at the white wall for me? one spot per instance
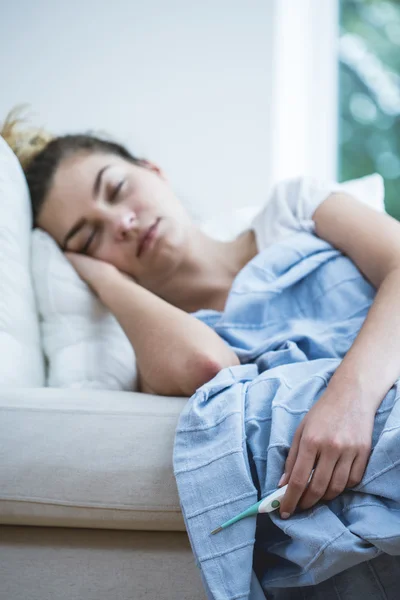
(184, 83)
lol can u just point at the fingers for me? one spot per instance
(332, 475)
(292, 456)
(358, 467)
(337, 450)
(298, 480)
(339, 479)
(73, 258)
(76, 262)
(347, 473)
(329, 480)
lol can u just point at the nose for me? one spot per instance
(123, 225)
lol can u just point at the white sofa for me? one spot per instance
(88, 502)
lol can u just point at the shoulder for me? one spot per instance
(289, 208)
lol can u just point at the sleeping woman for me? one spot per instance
(132, 241)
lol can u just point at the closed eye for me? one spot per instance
(116, 190)
(89, 241)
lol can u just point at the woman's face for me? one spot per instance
(118, 212)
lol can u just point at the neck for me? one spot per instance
(205, 277)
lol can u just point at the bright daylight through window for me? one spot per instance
(369, 91)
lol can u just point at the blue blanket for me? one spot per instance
(291, 315)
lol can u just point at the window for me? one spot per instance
(369, 94)
(304, 88)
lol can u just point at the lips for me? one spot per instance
(145, 236)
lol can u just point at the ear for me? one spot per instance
(147, 164)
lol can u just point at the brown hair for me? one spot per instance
(41, 153)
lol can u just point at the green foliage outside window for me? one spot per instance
(369, 90)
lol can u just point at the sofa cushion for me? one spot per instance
(22, 361)
(88, 458)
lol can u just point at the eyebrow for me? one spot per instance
(82, 222)
(97, 181)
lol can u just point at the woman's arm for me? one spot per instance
(372, 241)
(337, 431)
(175, 352)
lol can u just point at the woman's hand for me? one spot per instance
(91, 270)
(335, 439)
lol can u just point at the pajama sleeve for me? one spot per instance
(292, 203)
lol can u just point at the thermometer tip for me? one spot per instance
(216, 530)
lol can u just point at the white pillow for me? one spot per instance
(226, 226)
(21, 356)
(84, 344)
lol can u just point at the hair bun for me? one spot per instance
(26, 142)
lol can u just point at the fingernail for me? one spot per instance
(285, 515)
(282, 479)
